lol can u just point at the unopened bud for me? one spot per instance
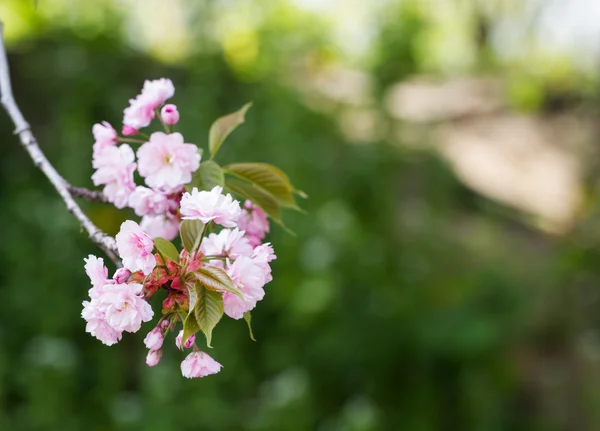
(153, 357)
(154, 339)
(121, 275)
(169, 114)
(128, 131)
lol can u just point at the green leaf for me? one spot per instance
(248, 319)
(268, 178)
(208, 175)
(208, 310)
(223, 126)
(248, 191)
(166, 249)
(190, 232)
(190, 327)
(216, 279)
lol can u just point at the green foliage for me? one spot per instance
(191, 232)
(223, 126)
(208, 175)
(213, 278)
(166, 249)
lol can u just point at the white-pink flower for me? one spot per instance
(145, 201)
(166, 162)
(97, 325)
(114, 168)
(154, 339)
(210, 206)
(141, 109)
(254, 222)
(104, 135)
(96, 271)
(135, 248)
(227, 243)
(250, 277)
(124, 307)
(164, 226)
(170, 114)
(199, 364)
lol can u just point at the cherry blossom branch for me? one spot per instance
(87, 194)
(28, 142)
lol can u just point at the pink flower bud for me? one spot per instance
(168, 303)
(169, 114)
(188, 343)
(154, 339)
(128, 131)
(121, 275)
(165, 324)
(153, 357)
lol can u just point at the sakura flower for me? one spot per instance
(114, 168)
(128, 131)
(145, 201)
(166, 162)
(140, 112)
(254, 222)
(105, 136)
(188, 343)
(96, 271)
(228, 243)
(164, 226)
(153, 357)
(154, 339)
(210, 205)
(199, 364)
(135, 248)
(124, 307)
(170, 114)
(250, 276)
(97, 325)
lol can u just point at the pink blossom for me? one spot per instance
(166, 162)
(124, 307)
(228, 243)
(154, 339)
(164, 226)
(199, 364)
(250, 277)
(262, 255)
(105, 136)
(153, 357)
(188, 343)
(135, 248)
(96, 271)
(170, 114)
(210, 205)
(254, 221)
(145, 201)
(140, 112)
(121, 275)
(97, 325)
(114, 168)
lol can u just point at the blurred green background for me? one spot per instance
(446, 276)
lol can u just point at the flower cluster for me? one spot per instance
(223, 264)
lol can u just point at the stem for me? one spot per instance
(207, 258)
(29, 143)
(131, 140)
(161, 121)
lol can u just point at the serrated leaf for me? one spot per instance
(248, 191)
(248, 319)
(190, 232)
(268, 178)
(190, 327)
(216, 279)
(166, 249)
(208, 310)
(208, 175)
(223, 126)
(193, 295)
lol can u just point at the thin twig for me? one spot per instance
(86, 194)
(22, 129)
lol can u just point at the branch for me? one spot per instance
(22, 129)
(86, 194)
